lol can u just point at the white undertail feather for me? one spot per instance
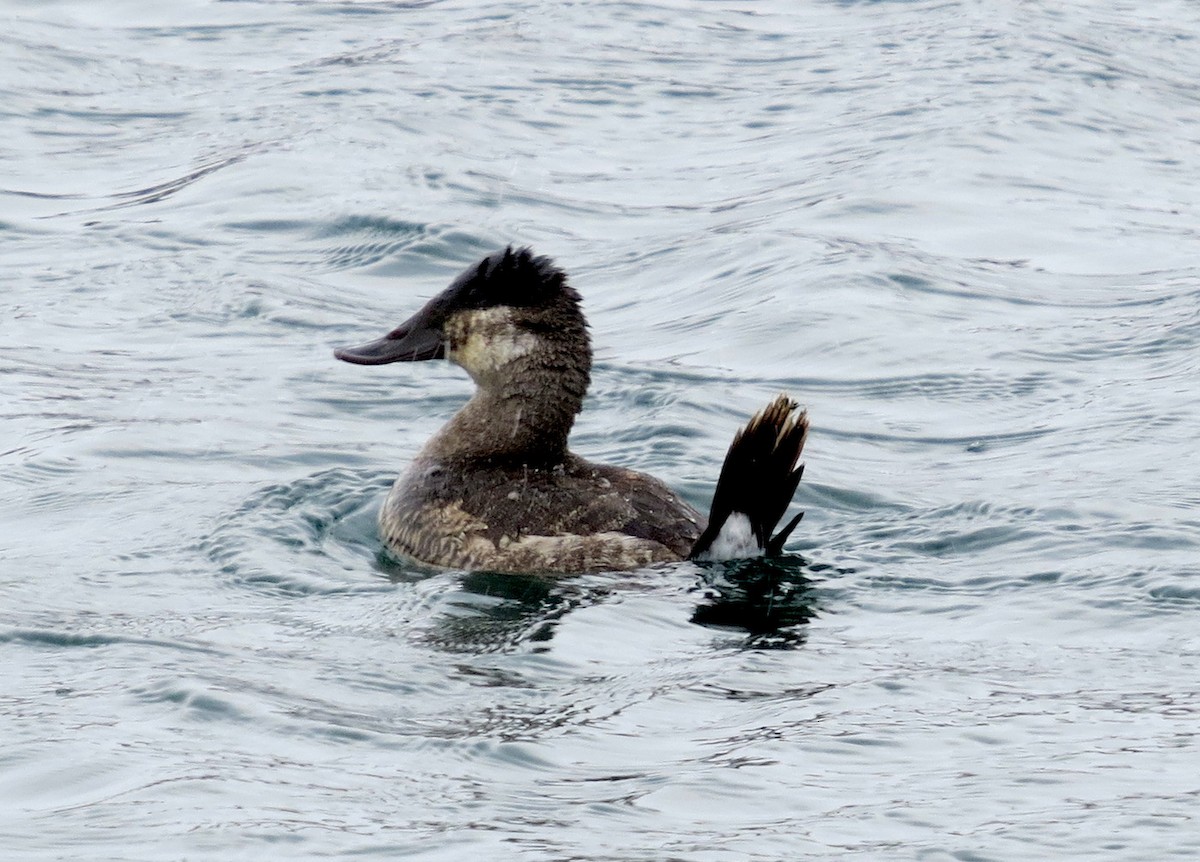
(735, 541)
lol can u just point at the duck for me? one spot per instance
(498, 489)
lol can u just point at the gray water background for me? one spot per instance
(963, 233)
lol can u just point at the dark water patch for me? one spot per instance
(161, 191)
(960, 291)
(1181, 593)
(92, 640)
(372, 225)
(964, 542)
(200, 703)
(271, 226)
(1150, 537)
(47, 196)
(369, 241)
(109, 117)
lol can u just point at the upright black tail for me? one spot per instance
(757, 482)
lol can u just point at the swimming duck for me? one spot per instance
(497, 488)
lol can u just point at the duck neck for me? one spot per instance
(526, 419)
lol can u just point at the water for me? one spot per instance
(964, 234)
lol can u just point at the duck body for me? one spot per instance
(498, 489)
(574, 516)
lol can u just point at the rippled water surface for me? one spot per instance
(964, 234)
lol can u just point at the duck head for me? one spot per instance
(509, 321)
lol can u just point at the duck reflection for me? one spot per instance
(769, 599)
(765, 601)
